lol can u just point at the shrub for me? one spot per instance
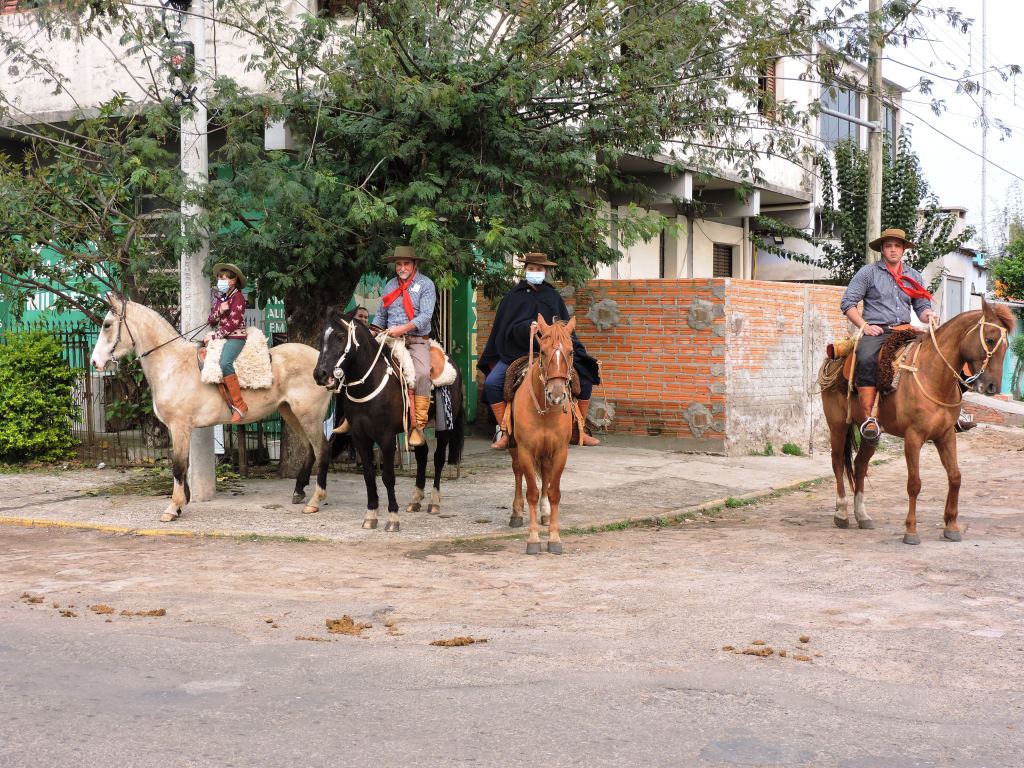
(36, 400)
(792, 449)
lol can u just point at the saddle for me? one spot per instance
(516, 375)
(253, 365)
(837, 370)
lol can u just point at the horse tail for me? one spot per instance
(851, 443)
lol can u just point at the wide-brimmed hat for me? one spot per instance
(403, 253)
(538, 259)
(891, 234)
(223, 266)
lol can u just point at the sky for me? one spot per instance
(953, 172)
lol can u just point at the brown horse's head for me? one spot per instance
(555, 358)
(983, 347)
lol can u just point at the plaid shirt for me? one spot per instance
(424, 297)
(884, 302)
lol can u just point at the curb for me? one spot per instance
(704, 506)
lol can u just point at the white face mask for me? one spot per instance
(223, 285)
(535, 278)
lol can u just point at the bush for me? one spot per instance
(792, 449)
(36, 400)
(1008, 271)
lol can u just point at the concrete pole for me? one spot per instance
(874, 212)
(195, 284)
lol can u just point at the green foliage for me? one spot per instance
(36, 401)
(792, 449)
(1008, 271)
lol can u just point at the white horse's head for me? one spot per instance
(115, 340)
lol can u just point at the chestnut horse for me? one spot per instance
(183, 402)
(924, 407)
(539, 441)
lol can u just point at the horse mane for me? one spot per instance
(1005, 316)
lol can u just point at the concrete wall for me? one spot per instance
(723, 366)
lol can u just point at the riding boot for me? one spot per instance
(422, 410)
(584, 406)
(870, 429)
(501, 436)
(238, 406)
(226, 395)
(415, 434)
(964, 422)
(341, 429)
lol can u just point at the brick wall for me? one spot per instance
(720, 365)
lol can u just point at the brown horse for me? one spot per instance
(924, 407)
(183, 402)
(540, 435)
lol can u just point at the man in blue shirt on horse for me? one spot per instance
(888, 288)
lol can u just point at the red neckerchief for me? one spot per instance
(403, 291)
(906, 283)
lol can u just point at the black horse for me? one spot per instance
(354, 362)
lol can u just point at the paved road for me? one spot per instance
(609, 655)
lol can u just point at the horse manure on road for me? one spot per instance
(805, 639)
(455, 642)
(101, 608)
(346, 626)
(69, 614)
(758, 642)
(763, 651)
(801, 657)
(26, 597)
(154, 612)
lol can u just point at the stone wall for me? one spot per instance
(719, 365)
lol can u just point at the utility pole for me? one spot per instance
(875, 134)
(195, 285)
(984, 126)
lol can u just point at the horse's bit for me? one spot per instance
(543, 375)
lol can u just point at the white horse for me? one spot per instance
(183, 402)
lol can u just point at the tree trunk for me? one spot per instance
(306, 309)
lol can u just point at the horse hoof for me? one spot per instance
(298, 498)
(533, 547)
(370, 524)
(310, 510)
(841, 522)
(516, 521)
(434, 509)
(170, 517)
(953, 535)
(544, 520)
(414, 506)
(911, 538)
(555, 547)
(866, 525)
(392, 527)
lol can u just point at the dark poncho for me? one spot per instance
(510, 335)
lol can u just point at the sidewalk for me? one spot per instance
(602, 485)
(994, 410)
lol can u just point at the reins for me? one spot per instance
(353, 342)
(543, 375)
(122, 320)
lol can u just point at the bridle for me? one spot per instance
(122, 322)
(980, 325)
(339, 374)
(965, 381)
(556, 353)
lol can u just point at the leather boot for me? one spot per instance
(501, 437)
(870, 429)
(341, 429)
(584, 406)
(415, 433)
(238, 406)
(422, 403)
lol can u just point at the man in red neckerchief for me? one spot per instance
(889, 289)
(406, 309)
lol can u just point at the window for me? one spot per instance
(721, 256)
(835, 129)
(661, 254)
(891, 127)
(767, 90)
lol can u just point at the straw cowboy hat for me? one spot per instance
(891, 234)
(223, 266)
(537, 259)
(403, 253)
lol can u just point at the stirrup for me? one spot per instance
(964, 422)
(871, 430)
(498, 434)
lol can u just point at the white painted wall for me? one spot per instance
(705, 235)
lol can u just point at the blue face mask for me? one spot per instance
(223, 285)
(535, 278)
